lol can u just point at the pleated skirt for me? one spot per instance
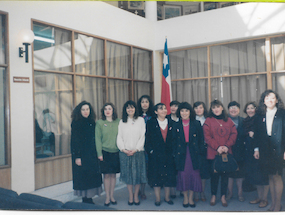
(133, 168)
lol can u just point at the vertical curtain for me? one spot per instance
(189, 64)
(118, 65)
(89, 55)
(2, 116)
(142, 64)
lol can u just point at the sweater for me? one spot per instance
(218, 133)
(131, 134)
(106, 136)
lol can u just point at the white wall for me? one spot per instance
(104, 20)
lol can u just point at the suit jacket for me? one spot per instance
(238, 148)
(195, 144)
(277, 140)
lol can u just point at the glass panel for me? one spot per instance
(242, 89)
(142, 64)
(190, 91)
(2, 39)
(141, 88)
(3, 88)
(238, 58)
(278, 53)
(52, 48)
(278, 83)
(190, 63)
(119, 93)
(89, 55)
(53, 107)
(92, 90)
(118, 60)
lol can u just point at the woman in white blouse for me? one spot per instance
(269, 142)
(130, 141)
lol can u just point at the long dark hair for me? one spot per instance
(224, 112)
(247, 104)
(124, 113)
(261, 109)
(114, 115)
(76, 113)
(150, 108)
(198, 103)
(186, 105)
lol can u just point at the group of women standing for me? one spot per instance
(178, 150)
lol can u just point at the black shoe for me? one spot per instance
(87, 200)
(173, 196)
(113, 203)
(170, 202)
(130, 203)
(192, 206)
(157, 203)
(107, 204)
(185, 205)
(137, 203)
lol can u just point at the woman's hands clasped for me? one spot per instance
(222, 149)
(129, 152)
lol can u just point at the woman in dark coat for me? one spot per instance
(253, 174)
(269, 142)
(238, 151)
(87, 179)
(161, 171)
(187, 146)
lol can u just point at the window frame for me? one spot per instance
(74, 74)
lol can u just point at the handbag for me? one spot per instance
(225, 163)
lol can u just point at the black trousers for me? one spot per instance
(215, 181)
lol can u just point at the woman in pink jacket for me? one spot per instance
(220, 134)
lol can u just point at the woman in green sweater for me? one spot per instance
(108, 153)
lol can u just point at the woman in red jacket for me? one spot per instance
(220, 135)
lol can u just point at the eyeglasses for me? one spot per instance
(233, 108)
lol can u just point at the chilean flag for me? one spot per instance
(166, 96)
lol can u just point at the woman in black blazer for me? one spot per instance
(187, 147)
(269, 142)
(161, 170)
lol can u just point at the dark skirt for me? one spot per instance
(110, 163)
(133, 168)
(275, 160)
(254, 174)
(240, 173)
(189, 179)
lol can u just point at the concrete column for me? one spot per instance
(151, 10)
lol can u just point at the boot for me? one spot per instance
(87, 200)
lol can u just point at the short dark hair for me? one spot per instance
(198, 103)
(233, 103)
(156, 107)
(224, 112)
(186, 105)
(247, 104)
(124, 112)
(174, 103)
(150, 109)
(76, 113)
(261, 109)
(114, 115)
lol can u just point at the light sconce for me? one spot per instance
(27, 37)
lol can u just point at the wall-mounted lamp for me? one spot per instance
(27, 37)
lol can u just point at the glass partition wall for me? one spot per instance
(237, 71)
(70, 67)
